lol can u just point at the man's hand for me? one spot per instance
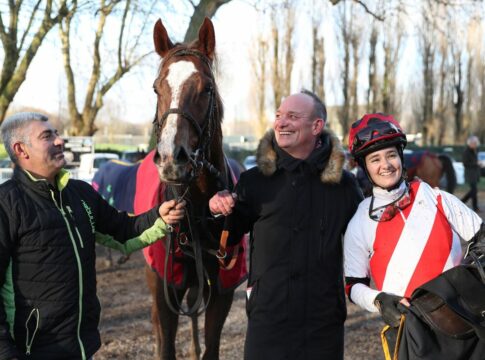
(222, 203)
(387, 306)
(172, 211)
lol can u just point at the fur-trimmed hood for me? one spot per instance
(266, 157)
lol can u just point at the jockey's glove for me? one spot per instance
(387, 306)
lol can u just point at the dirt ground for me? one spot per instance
(126, 326)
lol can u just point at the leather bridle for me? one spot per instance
(204, 133)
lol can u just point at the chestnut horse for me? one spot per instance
(435, 169)
(190, 163)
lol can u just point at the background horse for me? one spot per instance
(435, 169)
(115, 181)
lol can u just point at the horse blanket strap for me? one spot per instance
(149, 192)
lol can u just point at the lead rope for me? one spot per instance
(196, 308)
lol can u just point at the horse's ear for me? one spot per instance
(207, 38)
(160, 39)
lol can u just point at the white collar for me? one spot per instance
(383, 197)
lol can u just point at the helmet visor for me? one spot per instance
(370, 134)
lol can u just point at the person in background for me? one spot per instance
(296, 203)
(472, 171)
(405, 233)
(361, 177)
(48, 227)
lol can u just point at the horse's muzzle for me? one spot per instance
(172, 173)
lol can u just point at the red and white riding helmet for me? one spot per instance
(374, 132)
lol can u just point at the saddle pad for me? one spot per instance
(149, 192)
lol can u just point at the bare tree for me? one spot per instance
(205, 8)
(318, 65)
(355, 41)
(372, 91)
(474, 48)
(282, 57)
(427, 48)
(259, 65)
(442, 103)
(345, 23)
(21, 46)
(82, 121)
(375, 14)
(481, 111)
(391, 45)
(104, 75)
(318, 50)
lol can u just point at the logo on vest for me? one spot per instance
(89, 212)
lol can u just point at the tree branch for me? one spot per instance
(364, 5)
(31, 20)
(122, 29)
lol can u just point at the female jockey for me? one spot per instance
(406, 233)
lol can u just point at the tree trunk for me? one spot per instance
(14, 73)
(372, 75)
(205, 8)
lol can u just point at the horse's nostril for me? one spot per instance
(181, 156)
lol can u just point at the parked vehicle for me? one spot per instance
(249, 162)
(460, 172)
(90, 163)
(132, 156)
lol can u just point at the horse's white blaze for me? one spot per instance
(178, 73)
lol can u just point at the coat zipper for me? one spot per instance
(79, 267)
(28, 344)
(69, 210)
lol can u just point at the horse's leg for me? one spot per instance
(215, 316)
(195, 346)
(165, 322)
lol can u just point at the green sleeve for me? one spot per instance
(148, 237)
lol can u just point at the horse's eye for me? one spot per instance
(208, 88)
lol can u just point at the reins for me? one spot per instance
(184, 244)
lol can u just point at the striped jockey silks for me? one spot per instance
(418, 244)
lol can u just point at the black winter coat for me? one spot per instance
(48, 303)
(297, 212)
(470, 163)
